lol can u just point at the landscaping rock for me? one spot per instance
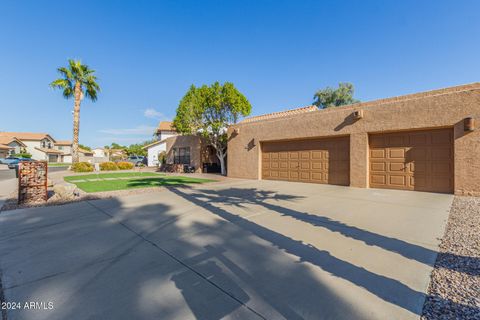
(65, 192)
(454, 291)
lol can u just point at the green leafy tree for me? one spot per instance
(207, 111)
(136, 149)
(77, 81)
(84, 147)
(330, 97)
(116, 146)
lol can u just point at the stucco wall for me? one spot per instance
(195, 145)
(153, 153)
(435, 109)
(36, 154)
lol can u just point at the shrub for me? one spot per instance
(123, 165)
(22, 155)
(82, 167)
(108, 166)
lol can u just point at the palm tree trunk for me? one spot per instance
(76, 122)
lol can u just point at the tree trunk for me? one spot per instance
(76, 122)
(221, 156)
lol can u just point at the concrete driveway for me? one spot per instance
(237, 249)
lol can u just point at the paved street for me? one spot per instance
(237, 249)
(6, 173)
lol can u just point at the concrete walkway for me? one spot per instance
(231, 250)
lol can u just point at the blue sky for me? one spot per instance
(278, 53)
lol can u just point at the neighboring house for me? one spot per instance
(65, 146)
(427, 141)
(153, 151)
(99, 152)
(83, 156)
(40, 145)
(192, 151)
(4, 150)
(10, 146)
(165, 130)
(115, 154)
(100, 155)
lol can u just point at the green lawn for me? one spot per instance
(131, 180)
(58, 164)
(112, 175)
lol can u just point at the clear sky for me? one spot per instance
(278, 53)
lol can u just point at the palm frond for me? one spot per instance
(75, 73)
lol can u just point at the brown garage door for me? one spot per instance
(415, 160)
(318, 161)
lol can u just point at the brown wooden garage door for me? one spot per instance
(416, 160)
(319, 161)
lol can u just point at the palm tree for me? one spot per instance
(77, 81)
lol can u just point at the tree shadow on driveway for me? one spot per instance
(390, 290)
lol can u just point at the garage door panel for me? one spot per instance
(294, 165)
(396, 140)
(304, 175)
(442, 168)
(396, 153)
(379, 179)
(305, 155)
(418, 167)
(396, 180)
(417, 160)
(305, 165)
(377, 153)
(293, 155)
(316, 155)
(441, 137)
(378, 166)
(319, 161)
(396, 167)
(439, 153)
(283, 174)
(316, 165)
(419, 139)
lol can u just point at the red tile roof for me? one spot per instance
(165, 126)
(5, 147)
(63, 143)
(280, 114)
(26, 135)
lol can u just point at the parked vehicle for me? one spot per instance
(14, 163)
(8, 160)
(137, 160)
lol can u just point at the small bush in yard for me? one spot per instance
(123, 165)
(82, 167)
(108, 166)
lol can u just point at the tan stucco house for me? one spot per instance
(164, 131)
(426, 141)
(41, 146)
(192, 151)
(10, 145)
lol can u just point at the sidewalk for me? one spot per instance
(7, 187)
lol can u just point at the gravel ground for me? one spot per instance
(454, 291)
(11, 202)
